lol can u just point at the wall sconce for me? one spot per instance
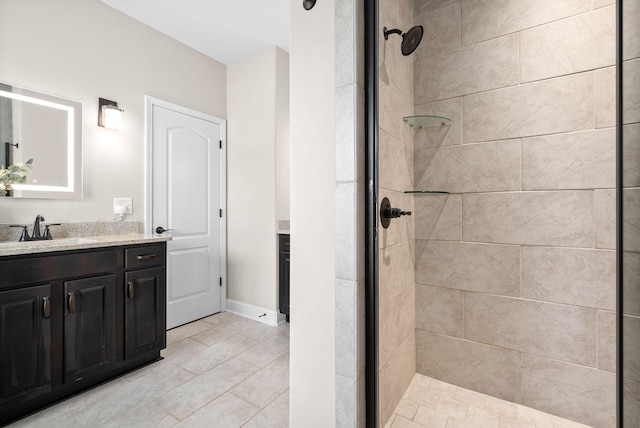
(109, 115)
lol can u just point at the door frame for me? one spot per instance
(149, 103)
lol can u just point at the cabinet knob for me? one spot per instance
(131, 289)
(46, 307)
(71, 303)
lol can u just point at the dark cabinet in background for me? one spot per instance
(144, 311)
(284, 242)
(70, 320)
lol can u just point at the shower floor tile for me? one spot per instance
(432, 403)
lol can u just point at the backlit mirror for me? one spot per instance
(48, 130)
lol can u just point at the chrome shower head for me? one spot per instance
(410, 40)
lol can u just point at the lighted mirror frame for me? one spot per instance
(73, 110)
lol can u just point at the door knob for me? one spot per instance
(387, 213)
(160, 230)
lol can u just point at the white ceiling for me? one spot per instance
(225, 30)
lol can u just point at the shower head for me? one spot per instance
(410, 40)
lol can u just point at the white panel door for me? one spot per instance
(187, 198)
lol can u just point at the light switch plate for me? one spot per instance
(123, 202)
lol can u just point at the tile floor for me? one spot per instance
(434, 404)
(222, 371)
(229, 371)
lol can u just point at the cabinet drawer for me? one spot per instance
(42, 268)
(147, 256)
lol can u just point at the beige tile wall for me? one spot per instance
(397, 343)
(631, 223)
(515, 269)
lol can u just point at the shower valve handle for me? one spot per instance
(387, 212)
(395, 212)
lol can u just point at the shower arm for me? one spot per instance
(392, 31)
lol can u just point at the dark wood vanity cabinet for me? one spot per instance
(70, 320)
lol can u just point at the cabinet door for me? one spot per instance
(25, 344)
(89, 322)
(145, 316)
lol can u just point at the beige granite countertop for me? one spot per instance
(12, 248)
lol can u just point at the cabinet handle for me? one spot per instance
(131, 289)
(72, 303)
(146, 257)
(46, 307)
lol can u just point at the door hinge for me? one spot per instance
(220, 212)
(220, 281)
(220, 143)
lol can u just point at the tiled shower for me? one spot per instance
(506, 283)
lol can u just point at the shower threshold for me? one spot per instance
(435, 404)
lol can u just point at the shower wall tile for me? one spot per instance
(441, 30)
(631, 164)
(631, 36)
(562, 332)
(346, 40)
(630, 281)
(345, 327)
(570, 276)
(348, 209)
(472, 267)
(394, 164)
(509, 16)
(473, 168)
(348, 125)
(602, 3)
(631, 397)
(604, 95)
(581, 160)
(579, 43)
(397, 323)
(345, 401)
(483, 368)
(579, 393)
(438, 217)
(561, 218)
(432, 137)
(488, 65)
(424, 7)
(604, 216)
(439, 310)
(395, 377)
(401, 228)
(607, 341)
(631, 351)
(397, 273)
(534, 275)
(631, 224)
(557, 105)
(631, 94)
(393, 107)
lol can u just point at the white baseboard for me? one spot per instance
(255, 313)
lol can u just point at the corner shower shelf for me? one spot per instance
(423, 122)
(427, 192)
